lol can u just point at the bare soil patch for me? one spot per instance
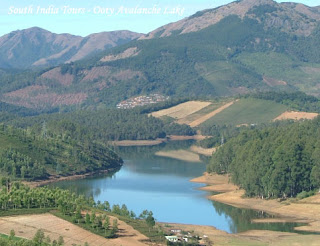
(273, 82)
(27, 225)
(293, 115)
(130, 52)
(55, 74)
(202, 151)
(307, 210)
(210, 115)
(138, 142)
(180, 138)
(182, 110)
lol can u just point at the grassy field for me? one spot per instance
(248, 111)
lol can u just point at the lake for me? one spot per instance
(162, 185)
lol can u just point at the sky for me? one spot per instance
(84, 17)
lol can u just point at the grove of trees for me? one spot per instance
(277, 161)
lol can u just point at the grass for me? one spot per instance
(12, 212)
(82, 224)
(248, 111)
(153, 234)
(225, 75)
(7, 237)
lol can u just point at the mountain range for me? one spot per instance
(38, 47)
(242, 47)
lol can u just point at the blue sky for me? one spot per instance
(92, 19)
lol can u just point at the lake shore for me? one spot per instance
(213, 236)
(306, 210)
(54, 179)
(128, 143)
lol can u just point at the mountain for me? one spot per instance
(292, 18)
(38, 47)
(245, 46)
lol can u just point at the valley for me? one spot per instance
(203, 131)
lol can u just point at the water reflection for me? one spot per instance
(162, 185)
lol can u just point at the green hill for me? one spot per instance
(25, 154)
(230, 50)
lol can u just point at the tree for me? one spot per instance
(115, 225)
(12, 234)
(106, 224)
(93, 217)
(87, 219)
(150, 221)
(60, 240)
(39, 237)
(48, 240)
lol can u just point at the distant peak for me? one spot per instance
(257, 2)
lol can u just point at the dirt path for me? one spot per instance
(27, 225)
(210, 115)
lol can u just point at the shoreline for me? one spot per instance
(128, 143)
(306, 210)
(54, 179)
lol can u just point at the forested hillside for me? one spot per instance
(277, 161)
(25, 154)
(104, 125)
(238, 51)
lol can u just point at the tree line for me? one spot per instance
(78, 209)
(277, 161)
(104, 125)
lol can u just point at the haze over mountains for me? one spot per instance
(242, 47)
(38, 47)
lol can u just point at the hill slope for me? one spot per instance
(289, 17)
(28, 155)
(39, 47)
(245, 46)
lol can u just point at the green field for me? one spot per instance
(248, 111)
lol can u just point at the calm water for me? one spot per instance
(162, 185)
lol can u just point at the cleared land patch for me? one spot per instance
(248, 111)
(210, 115)
(192, 117)
(182, 110)
(293, 115)
(26, 226)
